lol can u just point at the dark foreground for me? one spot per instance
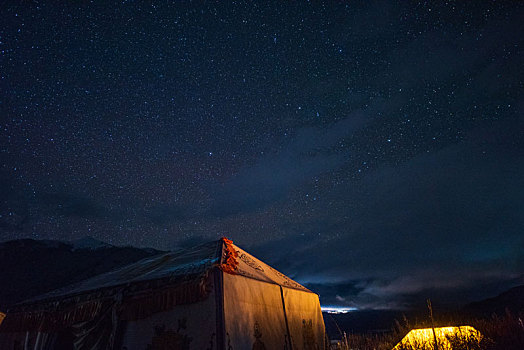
(500, 332)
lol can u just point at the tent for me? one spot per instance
(213, 296)
(446, 337)
(2, 316)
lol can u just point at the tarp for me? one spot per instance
(251, 267)
(264, 309)
(424, 338)
(151, 285)
(253, 314)
(214, 296)
(306, 324)
(170, 268)
(189, 326)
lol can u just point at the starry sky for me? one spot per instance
(372, 150)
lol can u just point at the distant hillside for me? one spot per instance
(30, 267)
(361, 322)
(383, 321)
(512, 300)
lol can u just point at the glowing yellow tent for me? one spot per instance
(2, 315)
(424, 338)
(214, 296)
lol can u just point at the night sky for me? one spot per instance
(371, 150)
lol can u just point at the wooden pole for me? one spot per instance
(435, 344)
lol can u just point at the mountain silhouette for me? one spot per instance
(32, 267)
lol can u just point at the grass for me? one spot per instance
(505, 332)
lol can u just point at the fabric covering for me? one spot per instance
(151, 285)
(190, 326)
(306, 324)
(248, 266)
(254, 316)
(28, 340)
(424, 338)
(172, 266)
(213, 296)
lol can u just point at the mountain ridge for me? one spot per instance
(512, 300)
(33, 267)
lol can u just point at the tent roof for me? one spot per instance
(151, 285)
(424, 337)
(178, 267)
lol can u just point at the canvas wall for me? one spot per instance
(306, 324)
(254, 317)
(35, 341)
(191, 326)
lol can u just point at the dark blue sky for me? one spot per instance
(371, 149)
